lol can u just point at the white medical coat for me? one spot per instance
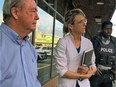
(67, 58)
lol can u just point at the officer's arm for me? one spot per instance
(113, 71)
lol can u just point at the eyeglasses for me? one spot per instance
(84, 21)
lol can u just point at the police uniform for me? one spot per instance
(105, 51)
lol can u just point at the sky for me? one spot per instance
(46, 24)
(113, 20)
(1, 5)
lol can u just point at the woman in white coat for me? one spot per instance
(69, 51)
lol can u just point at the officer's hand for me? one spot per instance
(98, 72)
(113, 71)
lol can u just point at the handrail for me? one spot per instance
(53, 9)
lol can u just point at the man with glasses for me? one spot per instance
(105, 51)
(69, 52)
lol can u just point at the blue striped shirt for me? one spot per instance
(18, 66)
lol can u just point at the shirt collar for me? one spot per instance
(10, 33)
(72, 36)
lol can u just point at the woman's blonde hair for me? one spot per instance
(70, 18)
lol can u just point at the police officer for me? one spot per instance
(105, 51)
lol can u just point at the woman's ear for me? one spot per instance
(70, 26)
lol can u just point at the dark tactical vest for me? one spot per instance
(105, 54)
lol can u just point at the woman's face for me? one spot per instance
(79, 25)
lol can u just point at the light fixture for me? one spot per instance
(100, 3)
(98, 19)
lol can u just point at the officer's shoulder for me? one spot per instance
(113, 38)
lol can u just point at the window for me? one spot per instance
(44, 44)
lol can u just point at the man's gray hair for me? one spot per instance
(8, 5)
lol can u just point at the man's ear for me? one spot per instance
(14, 12)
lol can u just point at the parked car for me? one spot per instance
(43, 51)
(42, 56)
